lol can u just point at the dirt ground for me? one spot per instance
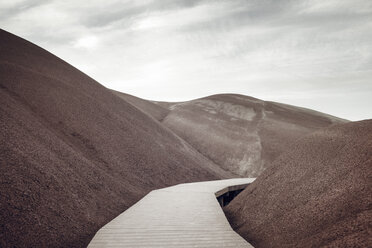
(318, 194)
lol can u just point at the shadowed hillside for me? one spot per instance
(73, 155)
(318, 194)
(242, 134)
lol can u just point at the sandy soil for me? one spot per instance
(317, 194)
(73, 155)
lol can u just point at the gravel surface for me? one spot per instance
(318, 194)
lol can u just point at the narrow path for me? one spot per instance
(184, 215)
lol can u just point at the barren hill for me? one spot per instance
(318, 194)
(242, 134)
(73, 155)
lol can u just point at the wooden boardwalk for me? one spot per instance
(185, 215)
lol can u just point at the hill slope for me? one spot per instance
(318, 194)
(155, 110)
(242, 134)
(73, 155)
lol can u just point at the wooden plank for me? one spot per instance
(185, 215)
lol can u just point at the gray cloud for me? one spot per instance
(298, 52)
(8, 11)
(112, 13)
(117, 11)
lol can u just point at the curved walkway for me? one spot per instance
(184, 215)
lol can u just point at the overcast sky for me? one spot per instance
(315, 54)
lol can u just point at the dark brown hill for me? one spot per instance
(242, 134)
(72, 154)
(318, 194)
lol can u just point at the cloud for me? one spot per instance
(88, 42)
(10, 8)
(183, 49)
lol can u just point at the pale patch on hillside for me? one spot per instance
(233, 110)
